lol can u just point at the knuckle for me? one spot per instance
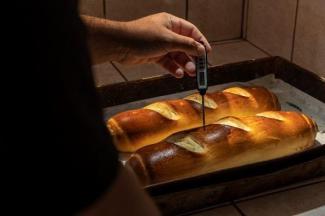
(164, 14)
(167, 39)
(191, 42)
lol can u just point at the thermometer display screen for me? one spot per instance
(202, 78)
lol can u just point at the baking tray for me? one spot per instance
(198, 192)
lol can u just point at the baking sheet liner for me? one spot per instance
(290, 98)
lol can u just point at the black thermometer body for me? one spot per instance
(202, 73)
(202, 79)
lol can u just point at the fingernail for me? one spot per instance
(201, 49)
(179, 72)
(190, 66)
(209, 48)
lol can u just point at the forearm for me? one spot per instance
(104, 39)
(125, 197)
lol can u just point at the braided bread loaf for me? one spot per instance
(229, 143)
(134, 129)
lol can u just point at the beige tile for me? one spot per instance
(135, 72)
(217, 19)
(285, 188)
(270, 25)
(285, 203)
(91, 7)
(236, 51)
(106, 74)
(309, 51)
(129, 10)
(224, 211)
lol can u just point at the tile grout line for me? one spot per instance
(237, 208)
(104, 8)
(265, 52)
(242, 18)
(246, 25)
(243, 15)
(120, 72)
(294, 32)
(226, 40)
(186, 9)
(217, 43)
(280, 191)
(198, 211)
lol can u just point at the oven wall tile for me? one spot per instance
(309, 46)
(135, 72)
(233, 51)
(105, 74)
(228, 210)
(217, 19)
(92, 7)
(292, 202)
(270, 25)
(129, 10)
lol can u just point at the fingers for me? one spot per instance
(185, 44)
(170, 65)
(177, 63)
(185, 28)
(185, 62)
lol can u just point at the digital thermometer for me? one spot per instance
(202, 80)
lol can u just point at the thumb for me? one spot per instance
(185, 44)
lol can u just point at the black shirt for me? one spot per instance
(59, 155)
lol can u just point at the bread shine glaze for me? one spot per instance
(134, 129)
(229, 142)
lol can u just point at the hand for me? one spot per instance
(165, 39)
(161, 38)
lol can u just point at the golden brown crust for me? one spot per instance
(234, 142)
(137, 128)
